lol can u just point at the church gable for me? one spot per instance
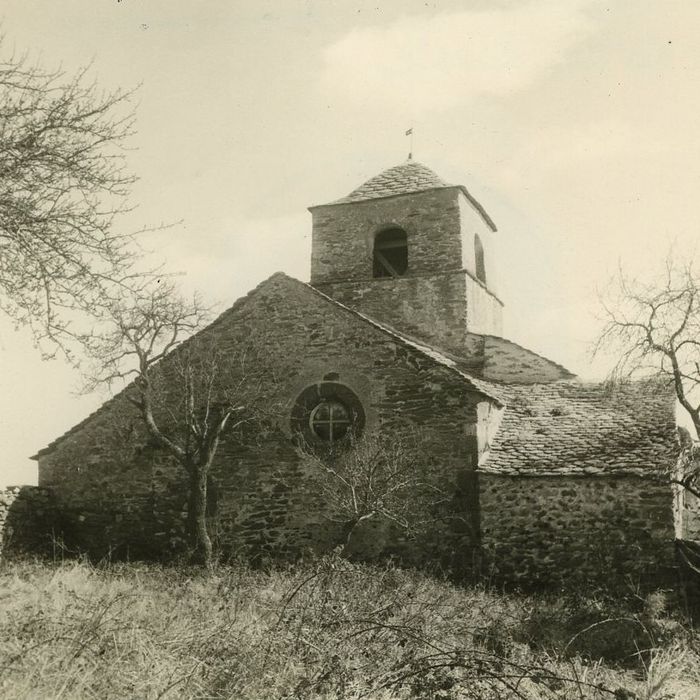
(318, 367)
(303, 335)
(314, 340)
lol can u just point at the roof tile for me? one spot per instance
(407, 177)
(595, 429)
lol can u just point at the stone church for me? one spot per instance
(399, 333)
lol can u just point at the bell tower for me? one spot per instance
(413, 252)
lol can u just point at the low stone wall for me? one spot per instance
(577, 530)
(26, 520)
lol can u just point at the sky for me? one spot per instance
(573, 122)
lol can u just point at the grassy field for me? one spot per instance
(326, 628)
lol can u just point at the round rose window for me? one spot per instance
(327, 413)
(330, 420)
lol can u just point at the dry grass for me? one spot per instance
(324, 629)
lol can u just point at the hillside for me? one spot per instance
(327, 628)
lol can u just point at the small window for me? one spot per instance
(479, 259)
(327, 413)
(330, 420)
(390, 253)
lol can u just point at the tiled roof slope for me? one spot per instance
(556, 428)
(406, 178)
(401, 179)
(503, 361)
(570, 427)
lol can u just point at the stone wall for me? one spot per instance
(439, 297)
(430, 307)
(576, 529)
(26, 520)
(343, 234)
(116, 492)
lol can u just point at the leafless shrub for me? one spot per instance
(375, 478)
(330, 628)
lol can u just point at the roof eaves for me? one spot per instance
(355, 200)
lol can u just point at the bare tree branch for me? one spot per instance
(376, 478)
(188, 392)
(654, 326)
(63, 186)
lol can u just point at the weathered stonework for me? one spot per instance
(542, 479)
(114, 490)
(439, 298)
(576, 530)
(430, 307)
(27, 517)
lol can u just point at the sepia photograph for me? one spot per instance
(350, 350)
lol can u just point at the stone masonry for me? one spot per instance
(576, 530)
(27, 518)
(113, 488)
(439, 298)
(544, 480)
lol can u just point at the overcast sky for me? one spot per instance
(574, 122)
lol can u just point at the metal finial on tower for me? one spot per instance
(409, 132)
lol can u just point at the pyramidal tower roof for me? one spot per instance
(405, 178)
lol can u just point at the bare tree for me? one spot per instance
(652, 327)
(63, 183)
(186, 390)
(372, 478)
